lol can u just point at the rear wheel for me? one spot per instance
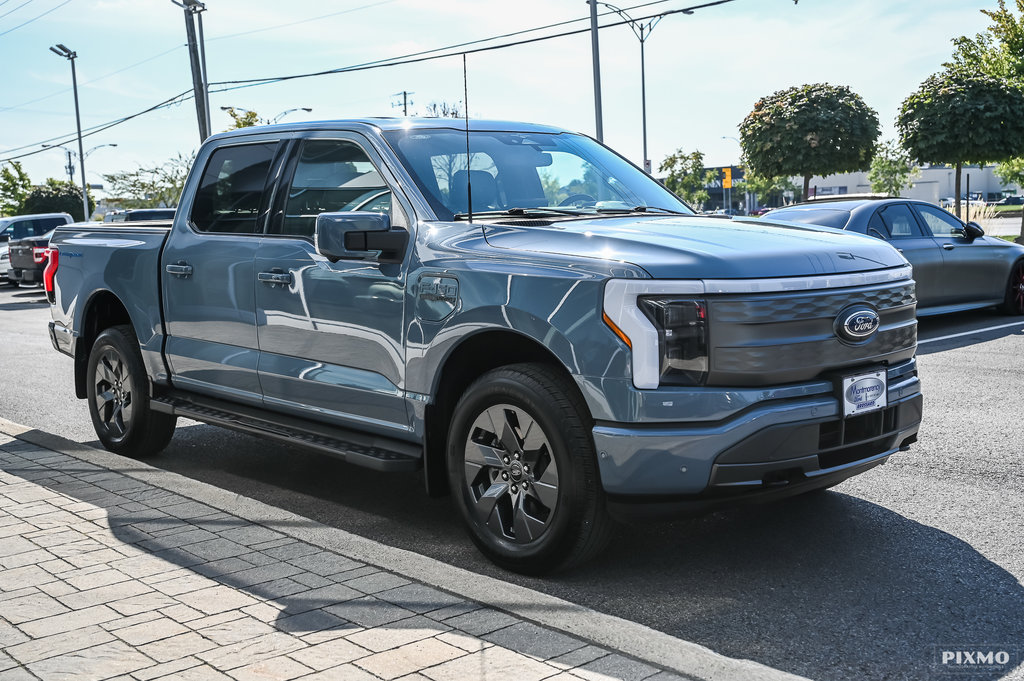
(119, 397)
(522, 467)
(1013, 303)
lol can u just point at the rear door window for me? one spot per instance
(899, 221)
(232, 188)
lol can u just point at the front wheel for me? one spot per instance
(1013, 303)
(522, 467)
(119, 397)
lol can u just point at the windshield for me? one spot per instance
(526, 173)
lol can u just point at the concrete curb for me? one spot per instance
(626, 637)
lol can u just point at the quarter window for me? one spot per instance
(940, 223)
(231, 189)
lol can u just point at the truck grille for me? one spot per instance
(762, 339)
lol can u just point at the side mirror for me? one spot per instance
(972, 230)
(359, 236)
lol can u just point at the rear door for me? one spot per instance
(331, 335)
(969, 265)
(896, 223)
(207, 273)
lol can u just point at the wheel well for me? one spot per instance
(470, 360)
(103, 311)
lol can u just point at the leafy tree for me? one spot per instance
(57, 196)
(1012, 172)
(243, 118)
(809, 130)
(766, 189)
(957, 117)
(687, 176)
(998, 51)
(891, 169)
(443, 110)
(14, 187)
(150, 187)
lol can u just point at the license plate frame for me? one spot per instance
(864, 393)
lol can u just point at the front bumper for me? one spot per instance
(793, 444)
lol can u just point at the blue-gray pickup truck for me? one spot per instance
(548, 333)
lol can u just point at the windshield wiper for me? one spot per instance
(642, 209)
(519, 212)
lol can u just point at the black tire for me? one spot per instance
(1013, 302)
(531, 495)
(118, 394)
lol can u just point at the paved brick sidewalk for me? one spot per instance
(105, 576)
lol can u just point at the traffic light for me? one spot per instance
(727, 180)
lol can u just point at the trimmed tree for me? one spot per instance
(957, 117)
(57, 197)
(816, 129)
(891, 169)
(687, 176)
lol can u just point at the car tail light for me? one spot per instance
(39, 254)
(49, 271)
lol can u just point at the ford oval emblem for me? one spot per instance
(857, 324)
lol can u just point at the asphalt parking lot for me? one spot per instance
(870, 580)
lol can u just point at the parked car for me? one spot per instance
(21, 226)
(548, 361)
(956, 266)
(1010, 201)
(137, 214)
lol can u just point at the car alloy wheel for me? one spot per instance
(510, 474)
(114, 393)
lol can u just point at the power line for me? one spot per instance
(93, 80)
(40, 16)
(27, 2)
(301, 21)
(425, 55)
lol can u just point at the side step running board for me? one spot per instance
(378, 453)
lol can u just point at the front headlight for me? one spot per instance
(664, 323)
(682, 338)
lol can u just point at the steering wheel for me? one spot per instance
(574, 198)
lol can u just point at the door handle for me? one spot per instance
(275, 277)
(179, 269)
(948, 247)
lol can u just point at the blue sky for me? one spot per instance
(704, 71)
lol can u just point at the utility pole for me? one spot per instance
(64, 51)
(405, 101)
(197, 59)
(596, 56)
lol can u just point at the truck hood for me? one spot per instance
(684, 247)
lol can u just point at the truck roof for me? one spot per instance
(395, 123)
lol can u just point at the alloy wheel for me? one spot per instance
(510, 473)
(114, 398)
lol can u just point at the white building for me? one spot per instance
(932, 184)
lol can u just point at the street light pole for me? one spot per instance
(281, 115)
(596, 56)
(63, 51)
(642, 31)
